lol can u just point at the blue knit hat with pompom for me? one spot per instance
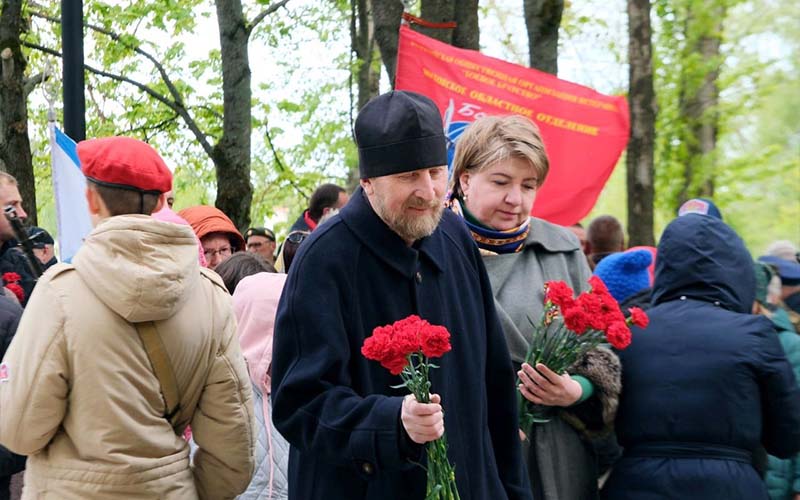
(625, 273)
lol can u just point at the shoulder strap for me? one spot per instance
(161, 367)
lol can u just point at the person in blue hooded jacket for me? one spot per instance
(706, 383)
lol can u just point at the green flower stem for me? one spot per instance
(441, 477)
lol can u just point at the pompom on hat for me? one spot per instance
(124, 162)
(625, 273)
(399, 132)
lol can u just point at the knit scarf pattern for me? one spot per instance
(491, 240)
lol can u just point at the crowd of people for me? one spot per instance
(178, 357)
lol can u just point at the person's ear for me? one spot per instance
(93, 201)
(367, 186)
(162, 201)
(463, 179)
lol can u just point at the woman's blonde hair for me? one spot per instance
(491, 139)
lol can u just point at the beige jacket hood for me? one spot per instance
(139, 267)
(79, 394)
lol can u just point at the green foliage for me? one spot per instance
(307, 113)
(301, 67)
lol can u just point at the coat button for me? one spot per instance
(418, 277)
(367, 468)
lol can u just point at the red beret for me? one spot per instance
(124, 162)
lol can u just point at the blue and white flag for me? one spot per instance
(69, 186)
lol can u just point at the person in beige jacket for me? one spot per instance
(78, 391)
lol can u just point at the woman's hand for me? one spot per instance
(544, 387)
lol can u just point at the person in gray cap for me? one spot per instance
(392, 252)
(43, 246)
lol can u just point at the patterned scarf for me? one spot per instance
(490, 240)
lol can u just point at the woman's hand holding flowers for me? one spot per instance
(544, 387)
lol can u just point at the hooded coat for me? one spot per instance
(81, 398)
(255, 302)
(707, 382)
(338, 410)
(553, 253)
(783, 475)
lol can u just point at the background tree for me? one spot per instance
(15, 148)
(387, 15)
(362, 41)
(542, 20)
(231, 151)
(642, 102)
(690, 121)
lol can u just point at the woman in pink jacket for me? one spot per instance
(255, 302)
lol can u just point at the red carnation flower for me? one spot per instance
(435, 341)
(395, 365)
(406, 340)
(379, 346)
(639, 317)
(17, 290)
(592, 305)
(619, 335)
(576, 320)
(11, 278)
(598, 287)
(610, 310)
(560, 294)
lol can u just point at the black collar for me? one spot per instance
(368, 227)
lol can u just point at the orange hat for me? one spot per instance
(124, 162)
(206, 220)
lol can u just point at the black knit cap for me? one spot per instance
(399, 132)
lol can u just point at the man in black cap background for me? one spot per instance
(390, 253)
(261, 241)
(43, 246)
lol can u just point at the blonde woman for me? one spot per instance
(499, 165)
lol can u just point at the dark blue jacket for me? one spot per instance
(706, 383)
(337, 409)
(9, 319)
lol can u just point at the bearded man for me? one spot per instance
(389, 253)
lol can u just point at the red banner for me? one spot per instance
(584, 131)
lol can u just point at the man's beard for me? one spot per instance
(410, 227)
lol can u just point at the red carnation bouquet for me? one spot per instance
(405, 348)
(572, 326)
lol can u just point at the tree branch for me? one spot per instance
(211, 110)
(281, 166)
(269, 10)
(29, 84)
(176, 104)
(158, 126)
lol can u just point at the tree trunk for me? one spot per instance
(467, 34)
(231, 155)
(641, 97)
(362, 39)
(699, 101)
(542, 19)
(438, 11)
(386, 16)
(15, 147)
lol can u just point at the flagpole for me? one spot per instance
(73, 75)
